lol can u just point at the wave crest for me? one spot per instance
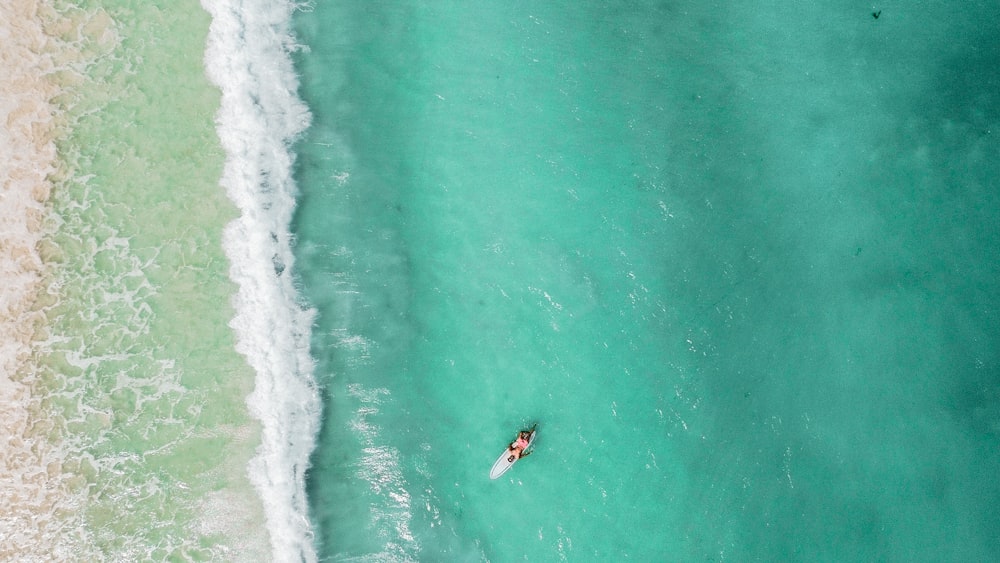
(248, 58)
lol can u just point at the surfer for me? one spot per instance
(520, 447)
(517, 447)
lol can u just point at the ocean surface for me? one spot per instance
(281, 281)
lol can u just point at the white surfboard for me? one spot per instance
(502, 465)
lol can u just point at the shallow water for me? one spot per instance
(137, 437)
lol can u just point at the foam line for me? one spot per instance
(247, 57)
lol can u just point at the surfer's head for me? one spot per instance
(511, 458)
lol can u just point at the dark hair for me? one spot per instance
(511, 458)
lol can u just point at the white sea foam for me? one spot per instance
(247, 57)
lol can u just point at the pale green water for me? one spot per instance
(739, 262)
(139, 426)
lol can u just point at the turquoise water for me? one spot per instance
(739, 262)
(281, 281)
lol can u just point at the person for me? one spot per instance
(517, 447)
